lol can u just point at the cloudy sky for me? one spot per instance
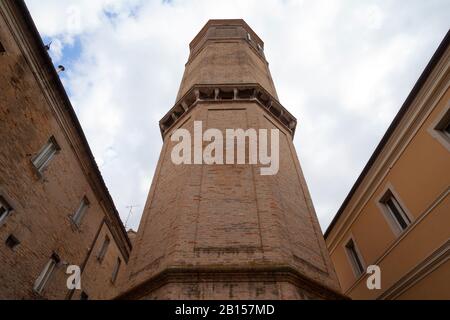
(343, 68)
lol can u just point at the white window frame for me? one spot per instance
(104, 249)
(46, 274)
(4, 204)
(352, 258)
(394, 224)
(77, 217)
(42, 159)
(436, 130)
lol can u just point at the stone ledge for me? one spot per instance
(227, 93)
(231, 274)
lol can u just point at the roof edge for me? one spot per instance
(32, 29)
(398, 118)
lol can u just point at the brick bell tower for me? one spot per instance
(226, 231)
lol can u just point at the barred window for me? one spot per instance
(45, 155)
(116, 270)
(81, 211)
(104, 249)
(46, 274)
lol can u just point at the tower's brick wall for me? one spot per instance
(227, 55)
(211, 217)
(243, 289)
(225, 231)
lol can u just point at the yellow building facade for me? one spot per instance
(397, 215)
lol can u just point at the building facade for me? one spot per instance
(397, 216)
(224, 231)
(55, 210)
(214, 231)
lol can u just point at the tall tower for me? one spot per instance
(226, 231)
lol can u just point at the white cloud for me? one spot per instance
(372, 16)
(342, 67)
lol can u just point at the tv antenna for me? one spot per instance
(131, 207)
(47, 46)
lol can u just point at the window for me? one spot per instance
(443, 126)
(2, 48)
(395, 214)
(260, 47)
(104, 249)
(355, 258)
(46, 274)
(5, 210)
(116, 270)
(249, 37)
(440, 128)
(84, 296)
(42, 159)
(12, 242)
(81, 211)
(446, 130)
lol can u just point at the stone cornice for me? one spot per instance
(268, 273)
(227, 93)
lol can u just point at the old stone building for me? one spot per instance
(224, 231)
(55, 210)
(220, 231)
(210, 230)
(397, 215)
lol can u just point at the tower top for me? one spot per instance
(226, 29)
(219, 230)
(227, 63)
(225, 23)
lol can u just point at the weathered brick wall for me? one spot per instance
(222, 63)
(219, 216)
(42, 204)
(98, 273)
(229, 290)
(225, 231)
(198, 219)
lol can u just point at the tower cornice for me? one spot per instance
(210, 274)
(227, 93)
